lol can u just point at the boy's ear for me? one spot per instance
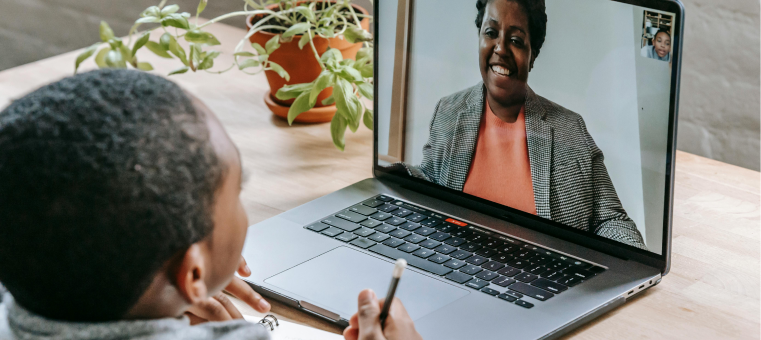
(191, 273)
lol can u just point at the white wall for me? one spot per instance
(588, 66)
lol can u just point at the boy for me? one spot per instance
(120, 213)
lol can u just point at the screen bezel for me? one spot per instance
(549, 227)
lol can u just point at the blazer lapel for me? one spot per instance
(464, 145)
(539, 135)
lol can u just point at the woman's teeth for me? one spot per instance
(500, 70)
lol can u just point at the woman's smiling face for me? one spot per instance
(505, 57)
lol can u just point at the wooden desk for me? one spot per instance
(712, 291)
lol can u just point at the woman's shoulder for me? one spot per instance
(461, 100)
(557, 114)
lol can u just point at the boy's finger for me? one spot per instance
(243, 269)
(210, 309)
(243, 291)
(229, 306)
(354, 321)
(351, 333)
(368, 312)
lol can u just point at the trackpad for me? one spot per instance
(334, 279)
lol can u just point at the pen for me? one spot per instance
(395, 276)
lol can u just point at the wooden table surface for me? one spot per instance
(712, 291)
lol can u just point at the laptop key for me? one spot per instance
(430, 244)
(364, 232)
(372, 203)
(493, 266)
(415, 217)
(493, 243)
(460, 254)
(490, 291)
(508, 271)
(409, 226)
(488, 252)
(477, 283)
(477, 260)
(536, 269)
(362, 243)
(318, 227)
(380, 216)
(363, 209)
(387, 208)
(332, 232)
(378, 237)
(341, 223)
(438, 258)
(596, 270)
(503, 281)
(445, 249)
(439, 236)
(508, 248)
(487, 275)
(533, 292)
(518, 263)
(370, 223)
(553, 276)
(549, 286)
(431, 222)
(393, 242)
(524, 304)
(525, 277)
(524, 254)
(502, 258)
(415, 239)
(507, 297)
(346, 237)
(385, 228)
(425, 231)
(580, 273)
(384, 198)
(414, 261)
(424, 253)
(540, 259)
(462, 232)
(400, 233)
(395, 221)
(471, 269)
(569, 281)
(470, 246)
(455, 241)
(455, 264)
(446, 227)
(401, 212)
(408, 247)
(458, 277)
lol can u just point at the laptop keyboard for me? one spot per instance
(497, 265)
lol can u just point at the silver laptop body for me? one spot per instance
(296, 260)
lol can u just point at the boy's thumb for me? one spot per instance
(368, 312)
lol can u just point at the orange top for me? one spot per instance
(501, 171)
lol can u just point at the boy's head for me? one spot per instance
(114, 185)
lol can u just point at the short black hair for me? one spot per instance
(537, 20)
(104, 177)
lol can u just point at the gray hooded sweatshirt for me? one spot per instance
(17, 323)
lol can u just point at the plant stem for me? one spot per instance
(314, 49)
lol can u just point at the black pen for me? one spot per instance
(395, 276)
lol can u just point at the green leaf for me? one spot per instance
(244, 54)
(272, 44)
(177, 50)
(306, 12)
(153, 11)
(368, 119)
(144, 66)
(212, 54)
(337, 131)
(201, 6)
(199, 37)
(351, 74)
(106, 33)
(248, 63)
(323, 81)
(329, 101)
(84, 55)
(292, 91)
(127, 55)
(157, 49)
(175, 20)
(280, 71)
(365, 53)
(299, 106)
(331, 54)
(354, 34)
(206, 63)
(259, 49)
(100, 58)
(140, 42)
(357, 114)
(305, 40)
(366, 70)
(165, 41)
(343, 92)
(169, 10)
(115, 59)
(195, 54)
(180, 70)
(147, 20)
(296, 29)
(367, 90)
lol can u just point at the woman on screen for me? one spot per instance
(502, 142)
(660, 48)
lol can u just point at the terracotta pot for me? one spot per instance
(302, 66)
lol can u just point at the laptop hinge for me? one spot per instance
(320, 311)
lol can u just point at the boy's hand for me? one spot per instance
(220, 308)
(365, 325)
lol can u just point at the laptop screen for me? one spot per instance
(561, 110)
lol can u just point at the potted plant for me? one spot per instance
(317, 55)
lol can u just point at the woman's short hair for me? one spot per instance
(537, 20)
(668, 33)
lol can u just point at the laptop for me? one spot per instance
(523, 166)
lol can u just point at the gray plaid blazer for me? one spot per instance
(571, 183)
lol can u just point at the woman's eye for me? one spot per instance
(517, 41)
(490, 33)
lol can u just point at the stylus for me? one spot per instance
(395, 276)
